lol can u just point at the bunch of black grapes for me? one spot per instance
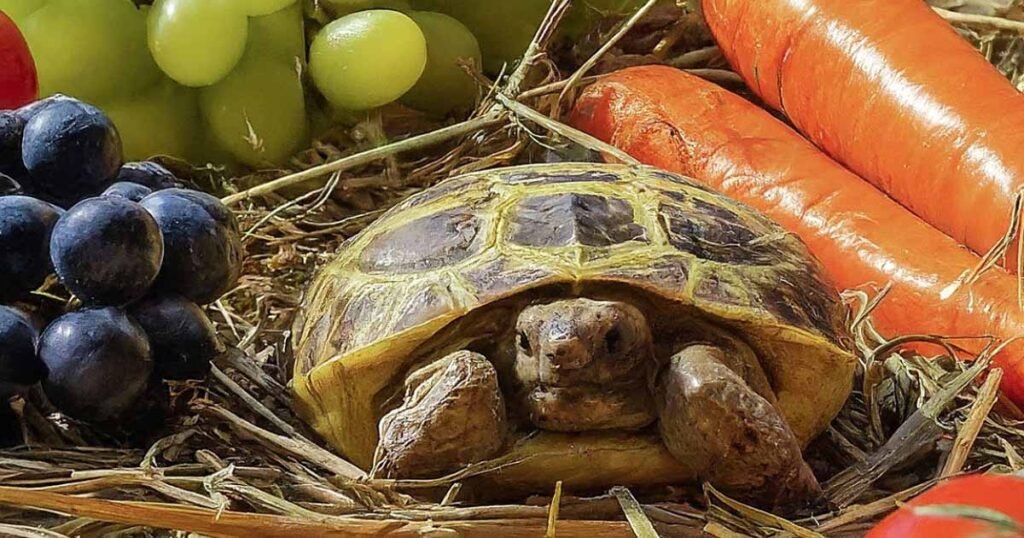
(139, 253)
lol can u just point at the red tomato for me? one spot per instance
(978, 506)
(18, 82)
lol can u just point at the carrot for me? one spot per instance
(890, 90)
(675, 121)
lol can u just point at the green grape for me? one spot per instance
(91, 49)
(163, 120)
(258, 112)
(341, 8)
(445, 86)
(443, 6)
(259, 8)
(319, 119)
(281, 34)
(211, 151)
(17, 10)
(607, 8)
(197, 42)
(504, 28)
(367, 59)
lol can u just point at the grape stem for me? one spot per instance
(696, 58)
(537, 45)
(718, 76)
(970, 19)
(565, 131)
(369, 156)
(373, 129)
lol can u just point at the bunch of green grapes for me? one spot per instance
(188, 78)
(223, 79)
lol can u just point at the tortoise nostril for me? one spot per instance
(570, 354)
(613, 341)
(524, 343)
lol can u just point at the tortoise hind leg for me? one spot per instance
(453, 414)
(713, 422)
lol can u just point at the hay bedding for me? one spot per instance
(228, 457)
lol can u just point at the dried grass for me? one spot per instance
(232, 459)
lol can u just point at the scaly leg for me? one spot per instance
(453, 414)
(729, 435)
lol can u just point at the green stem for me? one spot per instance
(361, 159)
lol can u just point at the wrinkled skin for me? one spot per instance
(733, 436)
(584, 365)
(453, 414)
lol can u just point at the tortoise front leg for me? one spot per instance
(713, 422)
(453, 414)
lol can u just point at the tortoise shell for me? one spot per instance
(432, 274)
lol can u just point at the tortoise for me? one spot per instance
(596, 324)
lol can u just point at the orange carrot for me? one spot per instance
(681, 123)
(890, 90)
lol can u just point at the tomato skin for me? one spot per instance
(1002, 495)
(19, 84)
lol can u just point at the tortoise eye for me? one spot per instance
(613, 340)
(524, 343)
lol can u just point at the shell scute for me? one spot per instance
(812, 301)
(573, 219)
(714, 239)
(717, 289)
(362, 321)
(460, 184)
(496, 278)
(666, 274)
(424, 305)
(429, 242)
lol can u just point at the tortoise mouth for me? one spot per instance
(581, 408)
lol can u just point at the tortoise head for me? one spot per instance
(584, 365)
